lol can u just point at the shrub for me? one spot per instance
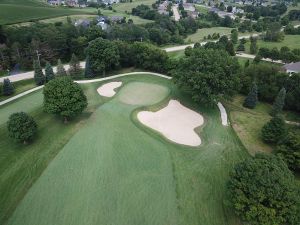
(39, 77)
(251, 99)
(21, 127)
(8, 88)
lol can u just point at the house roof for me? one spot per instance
(293, 66)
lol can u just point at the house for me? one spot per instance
(292, 67)
(193, 15)
(162, 8)
(82, 22)
(55, 2)
(110, 2)
(102, 19)
(116, 19)
(189, 7)
(103, 25)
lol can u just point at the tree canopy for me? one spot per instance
(262, 190)
(64, 97)
(208, 74)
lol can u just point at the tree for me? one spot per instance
(251, 99)
(230, 48)
(49, 74)
(289, 150)
(274, 130)
(241, 48)
(21, 127)
(103, 55)
(208, 74)
(253, 45)
(60, 69)
(88, 73)
(247, 63)
(234, 36)
(8, 88)
(39, 77)
(279, 102)
(64, 97)
(75, 69)
(262, 190)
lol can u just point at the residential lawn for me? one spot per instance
(20, 86)
(107, 168)
(201, 9)
(126, 7)
(291, 41)
(17, 13)
(204, 32)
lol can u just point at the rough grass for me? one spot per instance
(128, 6)
(20, 86)
(113, 170)
(291, 41)
(17, 13)
(204, 32)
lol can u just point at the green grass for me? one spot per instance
(291, 41)
(18, 13)
(128, 6)
(110, 169)
(20, 86)
(204, 32)
(201, 9)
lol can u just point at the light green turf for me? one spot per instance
(201, 33)
(128, 6)
(26, 104)
(291, 41)
(116, 171)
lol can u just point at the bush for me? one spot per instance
(262, 190)
(64, 97)
(274, 130)
(8, 88)
(251, 99)
(21, 127)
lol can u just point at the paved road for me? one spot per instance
(249, 56)
(176, 13)
(30, 74)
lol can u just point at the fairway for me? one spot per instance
(114, 170)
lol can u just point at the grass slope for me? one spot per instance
(204, 32)
(128, 174)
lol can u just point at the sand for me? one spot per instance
(175, 122)
(223, 114)
(108, 89)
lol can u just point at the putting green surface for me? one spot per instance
(116, 171)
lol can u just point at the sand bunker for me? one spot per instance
(176, 122)
(108, 89)
(223, 114)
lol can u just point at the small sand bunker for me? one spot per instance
(108, 89)
(176, 122)
(223, 114)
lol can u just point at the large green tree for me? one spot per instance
(88, 73)
(262, 190)
(64, 97)
(208, 74)
(49, 74)
(274, 130)
(103, 55)
(251, 99)
(75, 69)
(289, 150)
(39, 77)
(21, 127)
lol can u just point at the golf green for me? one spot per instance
(115, 171)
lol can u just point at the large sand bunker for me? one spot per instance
(176, 122)
(108, 89)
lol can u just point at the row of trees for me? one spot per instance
(285, 54)
(62, 97)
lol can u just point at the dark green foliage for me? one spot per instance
(75, 69)
(247, 63)
(88, 73)
(207, 74)
(274, 130)
(49, 74)
(293, 92)
(103, 55)
(21, 127)
(251, 99)
(279, 102)
(253, 45)
(60, 69)
(262, 190)
(64, 97)
(241, 47)
(39, 77)
(234, 36)
(8, 88)
(230, 48)
(289, 150)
